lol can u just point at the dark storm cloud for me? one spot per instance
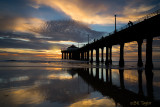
(10, 43)
(27, 41)
(67, 31)
(51, 31)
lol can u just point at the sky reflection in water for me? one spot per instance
(50, 86)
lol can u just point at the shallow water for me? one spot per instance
(77, 84)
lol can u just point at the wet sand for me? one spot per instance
(76, 84)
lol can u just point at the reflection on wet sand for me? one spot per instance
(95, 102)
(56, 88)
(78, 87)
(15, 97)
(59, 76)
(121, 95)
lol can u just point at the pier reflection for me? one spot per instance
(140, 88)
(149, 83)
(120, 94)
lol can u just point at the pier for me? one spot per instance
(144, 28)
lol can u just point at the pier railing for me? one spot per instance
(150, 15)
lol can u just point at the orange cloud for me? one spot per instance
(75, 9)
(24, 24)
(21, 24)
(88, 13)
(4, 54)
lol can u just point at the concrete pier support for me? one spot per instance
(91, 55)
(102, 60)
(85, 55)
(149, 63)
(76, 55)
(97, 55)
(67, 55)
(121, 61)
(82, 55)
(110, 60)
(88, 55)
(70, 55)
(106, 56)
(140, 63)
(62, 55)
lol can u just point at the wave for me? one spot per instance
(130, 65)
(59, 60)
(42, 61)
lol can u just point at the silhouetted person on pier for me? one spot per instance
(130, 23)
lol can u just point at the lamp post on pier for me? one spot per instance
(88, 38)
(115, 23)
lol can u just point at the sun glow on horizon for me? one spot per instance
(53, 53)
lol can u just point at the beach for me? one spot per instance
(63, 83)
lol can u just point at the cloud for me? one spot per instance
(6, 44)
(19, 24)
(16, 8)
(67, 30)
(37, 34)
(75, 9)
(43, 39)
(17, 14)
(100, 12)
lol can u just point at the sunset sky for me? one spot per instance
(40, 28)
